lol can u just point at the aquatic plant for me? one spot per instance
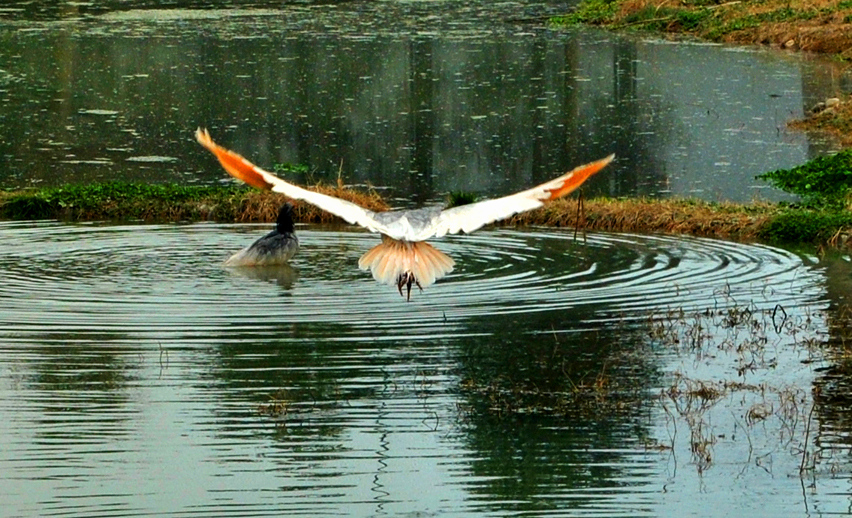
(771, 415)
(822, 183)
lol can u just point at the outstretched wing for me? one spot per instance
(467, 218)
(242, 169)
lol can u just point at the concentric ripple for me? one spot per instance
(142, 378)
(167, 280)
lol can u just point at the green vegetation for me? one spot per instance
(590, 12)
(819, 26)
(698, 18)
(822, 183)
(822, 217)
(285, 168)
(825, 188)
(808, 226)
(119, 201)
(457, 198)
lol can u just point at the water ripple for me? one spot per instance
(159, 280)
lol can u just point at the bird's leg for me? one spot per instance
(400, 282)
(407, 279)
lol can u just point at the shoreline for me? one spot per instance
(119, 202)
(818, 26)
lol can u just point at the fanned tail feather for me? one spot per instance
(392, 258)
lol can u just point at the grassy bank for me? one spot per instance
(172, 203)
(812, 25)
(823, 26)
(116, 201)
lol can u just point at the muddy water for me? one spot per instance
(544, 376)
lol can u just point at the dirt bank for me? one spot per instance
(823, 26)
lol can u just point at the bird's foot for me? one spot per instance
(407, 279)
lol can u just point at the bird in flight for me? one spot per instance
(404, 258)
(275, 248)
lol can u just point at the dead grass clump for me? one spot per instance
(262, 206)
(835, 121)
(662, 216)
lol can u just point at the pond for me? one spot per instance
(618, 375)
(417, 97)
(550, 374)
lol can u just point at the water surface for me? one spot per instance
(554, 375)
(419, 97)
(546, 375)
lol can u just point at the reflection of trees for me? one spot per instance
(423, 112)
(290, 382)
(423, 115)
(86, 381)
(833, 385)
(550, 412)
(624, 126)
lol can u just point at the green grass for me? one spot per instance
(120, 201)
(591, 12)
(823, 184)
(699, 17)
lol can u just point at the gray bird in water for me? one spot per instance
(275, 248)
(403, 258)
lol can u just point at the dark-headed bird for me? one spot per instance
(403, 258)
(273, 249)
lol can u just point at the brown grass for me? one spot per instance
(822, 27)
(642, 215)
(811, 25)
(836, 122)
(262, 206)
(675, 216)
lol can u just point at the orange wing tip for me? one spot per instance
(578, 175)
(233, 163)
